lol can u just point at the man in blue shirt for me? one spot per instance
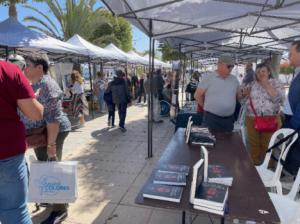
(292, 118)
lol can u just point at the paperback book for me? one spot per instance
(163, 192)
(212, 195)
(178, 179)
(173, 168)
(219, 174)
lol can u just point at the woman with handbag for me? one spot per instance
(58, 126)
(263, 98)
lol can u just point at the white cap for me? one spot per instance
(17, 60)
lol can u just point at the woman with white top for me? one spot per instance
(266, 95)
(79, 103)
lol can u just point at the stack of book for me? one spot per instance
(219, 174)
(210, 186)
(199, 135)
(211, 197)
(167, 183)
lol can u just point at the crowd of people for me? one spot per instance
(262, 95)
(34, 100)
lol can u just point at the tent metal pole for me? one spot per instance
(7, 53)
(181, 70)
(91, 87)
(150, 97)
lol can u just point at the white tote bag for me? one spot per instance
(53, 182)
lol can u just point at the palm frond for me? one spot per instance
(43, 31)
(53, 26)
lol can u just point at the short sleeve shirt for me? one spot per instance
(220, 93)
(13, 86)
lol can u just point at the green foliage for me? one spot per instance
(169, 54)
(286, 70)
(78, 17)
(115, 30)
(74, 17)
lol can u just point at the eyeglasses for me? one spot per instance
(230, 66)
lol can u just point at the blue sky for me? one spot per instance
(140, 40)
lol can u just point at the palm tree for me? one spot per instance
(12, 10)
(75, 17)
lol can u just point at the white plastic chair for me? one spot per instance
(288, 209)
(270, 178)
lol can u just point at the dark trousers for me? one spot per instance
(41, 155)
(111, 113)
(122, 109)
(142, 93)
(218, 123)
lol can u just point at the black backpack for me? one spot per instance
(292, 161)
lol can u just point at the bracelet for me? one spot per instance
(51, 145)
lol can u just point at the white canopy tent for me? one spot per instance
(128, 57)
(138, 57)
(175, 20)
(14, 35)
(93, 51)
(258, 23)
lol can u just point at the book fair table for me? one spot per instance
(248, 200)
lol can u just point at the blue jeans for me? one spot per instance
(13, 191)
(101, 100)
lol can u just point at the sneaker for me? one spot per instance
(108, 123)
(123, 129)
(56, 217)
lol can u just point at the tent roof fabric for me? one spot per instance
(15, 35)
(94, 51)
(128, 57)
(245, 27)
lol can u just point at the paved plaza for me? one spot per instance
(112, 169)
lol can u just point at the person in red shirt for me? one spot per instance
(15, 93)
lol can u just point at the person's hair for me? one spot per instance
(196, 75)
(264, 65)
(297, 44)
(76, 77)
(100, 74)
(158, 71)
(39, 59)
(119, 73)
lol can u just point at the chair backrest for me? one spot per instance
(283, 153)
(293, 192)
(280, 132)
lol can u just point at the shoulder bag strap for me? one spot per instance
(252, 107)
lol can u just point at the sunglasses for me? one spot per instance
(230, 66)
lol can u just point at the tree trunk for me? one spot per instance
(12, 11)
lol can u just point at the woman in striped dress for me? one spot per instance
(79, 103)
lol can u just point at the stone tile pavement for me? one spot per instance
(112, 169)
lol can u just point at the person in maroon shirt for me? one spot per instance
(15, 93)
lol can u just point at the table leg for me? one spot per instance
(222, 220)
(183, 217)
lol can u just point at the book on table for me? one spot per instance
(178, 179)
(163, 192)
(219, 174)
(211, 195)
(174, 168)
(199, 136)
(210, 210)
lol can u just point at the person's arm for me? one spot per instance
(199, 96)
(52, 132)
(31, 108)
(51, 116)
